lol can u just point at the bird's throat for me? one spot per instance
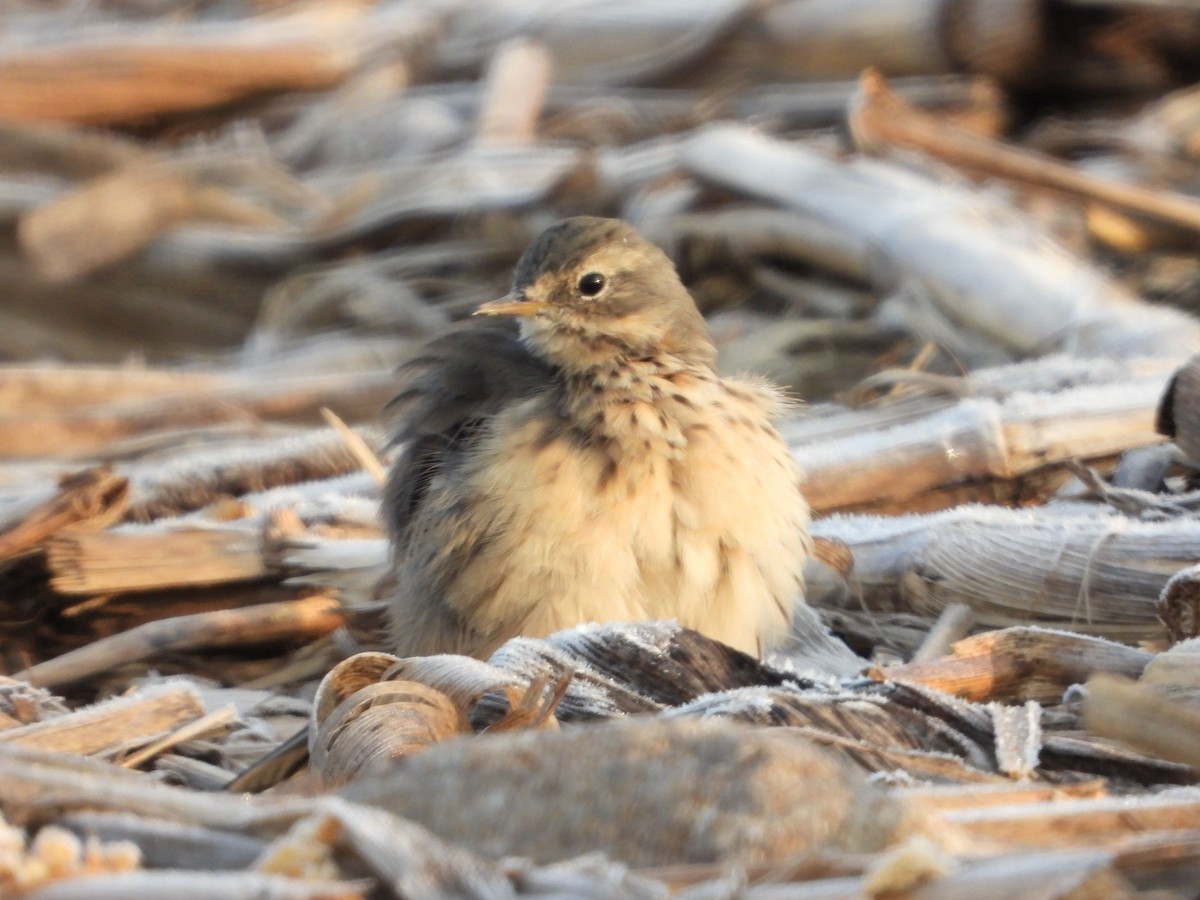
(636, 407)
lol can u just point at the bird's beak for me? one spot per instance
(513, 304)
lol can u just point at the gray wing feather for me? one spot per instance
(447, 393)
(447, 396)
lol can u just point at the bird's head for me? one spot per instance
(593, 291)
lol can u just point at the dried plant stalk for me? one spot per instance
(264, 624)
(595, 44)
(880, 118)
(952, 625)
(884, 464)
(66, 151)
(375, 707)
(1080, 568)
(388, 720)
(942, 798)
(839, 40)
(217, 721)
(1098, 574)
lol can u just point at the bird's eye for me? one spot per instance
(591, 284)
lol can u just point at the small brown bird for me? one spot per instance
(590, 467)
(593, 467)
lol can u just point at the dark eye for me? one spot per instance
(591, 284)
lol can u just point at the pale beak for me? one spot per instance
(511, 305)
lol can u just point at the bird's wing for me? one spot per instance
(454, 385)
(447, 394)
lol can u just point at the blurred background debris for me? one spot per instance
(965, 232)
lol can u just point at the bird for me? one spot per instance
(590, 464)
(571, 455)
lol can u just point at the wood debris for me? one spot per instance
(964, 233)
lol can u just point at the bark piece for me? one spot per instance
(1179, 409)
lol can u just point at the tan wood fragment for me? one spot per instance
(1083, 875)
(265, 624)
(110, 727)
(137, 561)
(834, 555)
(216, 721)
(1026, 663)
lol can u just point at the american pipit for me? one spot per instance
(592, 467)
(589, 466)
